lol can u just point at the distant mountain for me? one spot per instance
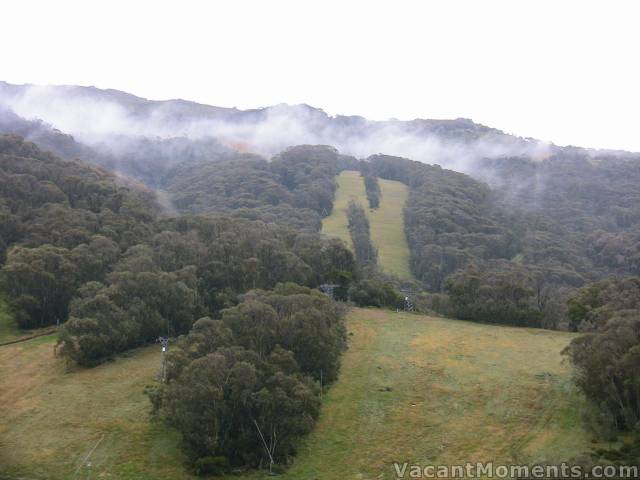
(97, 116)
(516, 212)
(149, 159)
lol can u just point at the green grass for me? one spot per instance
(386, 222)
(412, 388)
(387, 228)
(350, 187)
(429, 390)
(50, 420)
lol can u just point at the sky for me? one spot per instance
(560, 71)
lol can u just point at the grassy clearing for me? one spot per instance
(350, 187)
(386, 222)
(412, 388)
(429, 390)
(387, 228)
(51, 420)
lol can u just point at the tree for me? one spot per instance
(39, 282)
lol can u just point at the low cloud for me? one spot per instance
(103, 117)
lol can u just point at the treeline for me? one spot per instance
(243, 389)
(448, 219)
(492, 297)
(295, 187)
(461, 246)
(372, 188)
(358, 224)
(608, 360)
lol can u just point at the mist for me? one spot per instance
(106, 118)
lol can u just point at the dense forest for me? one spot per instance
(295, 188)
(71, 231)
(512, 250)
(63, 223)
(546, 227)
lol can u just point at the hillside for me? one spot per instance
(544, 218)
(411, 388)
(265, 130)
(387, 221)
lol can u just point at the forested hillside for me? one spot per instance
(296, 187)
(511, 251)
(63, 223)
(578, 209)
(66, 224)
(150, 160)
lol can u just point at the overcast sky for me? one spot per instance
(562, 71)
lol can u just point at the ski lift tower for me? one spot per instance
(408, 304)
(329, 289)
(164, 342)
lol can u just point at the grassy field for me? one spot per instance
(412, 388)
(9, 331)
(386, 222)
(51, 420)
(387, 228)
(429, 390)
(350, 187)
